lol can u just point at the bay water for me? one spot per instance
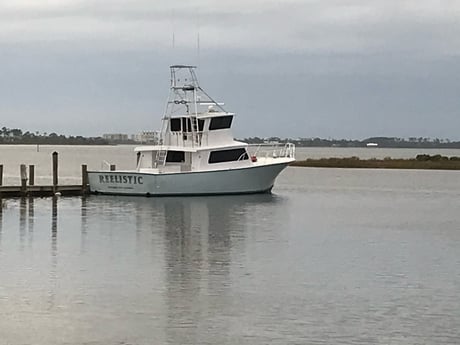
(332, 256)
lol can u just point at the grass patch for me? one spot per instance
(436, 162)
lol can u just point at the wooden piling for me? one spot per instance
(113, 167)
(1, 174)
(55, 171)
(31, 175)
(23, 173)
(84, 178)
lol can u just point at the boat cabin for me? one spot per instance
(202, 129)
(179, 159)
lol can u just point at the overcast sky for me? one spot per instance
(289, 68)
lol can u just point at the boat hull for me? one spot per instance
(255, 179)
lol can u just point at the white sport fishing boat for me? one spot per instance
(196, 154)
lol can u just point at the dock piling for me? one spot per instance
(23, 174)
(1, 174)
(31, 175)
(55, 171)
(84, 178)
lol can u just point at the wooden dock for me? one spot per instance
(41, 191)
(29, 189)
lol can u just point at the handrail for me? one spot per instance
(273, 150)
(106, 163)
(241, 158)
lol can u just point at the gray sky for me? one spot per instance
(290, 68)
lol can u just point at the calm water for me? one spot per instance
(333, 256)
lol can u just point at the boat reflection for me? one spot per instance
(202, 237)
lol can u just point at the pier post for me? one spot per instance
(55, 171)
(31, 175)
(84, 179)
(113, 167)
(1, 174)
(23, 173)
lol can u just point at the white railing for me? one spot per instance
(272, 150)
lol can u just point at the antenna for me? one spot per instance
(198, 47)
(173, 29)
(198, 37)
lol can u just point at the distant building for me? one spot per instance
(147, 137)
(115, 137)
(372, 144)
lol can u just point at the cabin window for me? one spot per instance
(200, 125)
(175, 157)
(221, 122)
(228, 156)
(186, 124)
(175, 125)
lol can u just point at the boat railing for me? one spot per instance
(243, 156)
(105, 164)
(272, 150)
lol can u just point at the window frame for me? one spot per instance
(177, 122)
(221, 122)
(225, 156)
(174, 156)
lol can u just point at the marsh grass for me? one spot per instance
(437, 162)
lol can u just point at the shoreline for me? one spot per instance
(421, 162)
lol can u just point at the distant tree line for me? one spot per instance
(17, 136)
(386, 142)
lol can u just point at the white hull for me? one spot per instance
(254, 179)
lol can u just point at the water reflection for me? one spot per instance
(22, 221)
(84, 224)
(54, 218)
(31, 217)
(201, 236)
(53, 276)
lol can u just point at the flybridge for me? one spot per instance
(192, 117)
(186, 91)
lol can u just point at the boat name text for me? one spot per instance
(125, 179)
